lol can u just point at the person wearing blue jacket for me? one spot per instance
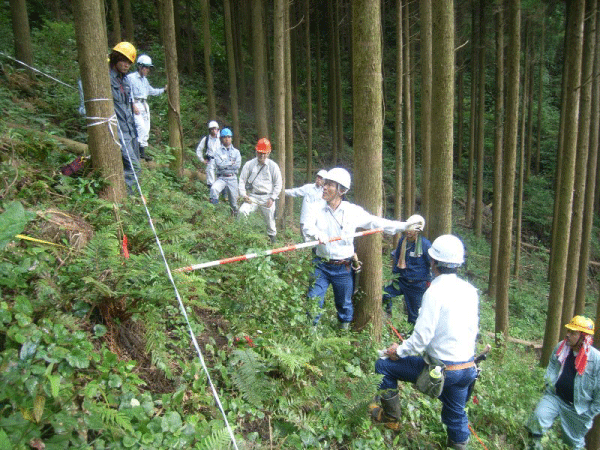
(572, 387)
(411, 269)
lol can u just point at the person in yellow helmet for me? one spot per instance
(572, 387)
(120, 60)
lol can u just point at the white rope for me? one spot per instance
(38, 71)
(181, 306)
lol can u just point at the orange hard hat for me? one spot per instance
(263, 145)
(582, 324)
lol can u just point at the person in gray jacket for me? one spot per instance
(572, 387)
(120, 60)
(227, 161)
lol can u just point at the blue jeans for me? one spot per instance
(454, 396)
(340, 277)
(413, 295)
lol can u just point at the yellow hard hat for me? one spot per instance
(581, 323)
(126, 49)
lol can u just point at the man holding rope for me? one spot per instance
(445, 334)
(260, 186)
(336, 217)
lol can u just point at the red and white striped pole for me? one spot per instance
(274, 251)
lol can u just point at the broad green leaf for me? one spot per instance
(171, 422)
(12, 222)
(54, 385)
(78, 359)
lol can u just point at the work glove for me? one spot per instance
(323, 237)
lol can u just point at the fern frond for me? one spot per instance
(250, 377)
(218, 440)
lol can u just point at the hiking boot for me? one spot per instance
(273, 239)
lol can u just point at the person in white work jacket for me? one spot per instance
(260, 185)
(227, 164)
(333, 218)
(572, 387)
(311, 193)
(206, 149)
(140, 90)
(446, 329)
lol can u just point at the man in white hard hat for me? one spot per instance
(572, 391)
(206, 149)
(140, 90)
(410, 270)
(312, 193)
(446, 331)
(333, 218)
(260, 185)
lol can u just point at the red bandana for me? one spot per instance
(582, 356)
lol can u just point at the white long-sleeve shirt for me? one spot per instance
(214, 144)
(448, 321)
(324, 223)
(266, 179)
(311, 193)
(140, 87)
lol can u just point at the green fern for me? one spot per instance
(218, 440)
(250, 378)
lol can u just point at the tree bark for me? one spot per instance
(398, 124)
(319, 79)
(173, 114)
(115, 17)
(478, 218)
(128, 16)
(233, 90)
(279, 92)
(460, 88)
(442, 110)
(309, 109)
(498, 129)
(260, 70)
(565, 196)
(91, 50)
(425, 10)
(367, 138)
(288, 177)
(590, 185)
(540, 110)
(511, 113)
(577, 245)
(473, 116)
(208, 73)
(408, 118)
(21, 32)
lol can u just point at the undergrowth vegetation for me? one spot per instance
(96, 353)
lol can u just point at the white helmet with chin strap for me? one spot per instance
(415, 223)
(448, 251)
(340, 176)
(322, 173)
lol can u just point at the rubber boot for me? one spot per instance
(536, 442)
(457, 445)
(273, 239)
(389, 412)
(143, 154)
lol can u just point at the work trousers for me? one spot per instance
(142, 122)
(454, 395)
(258, 202)
(231, 183)
(574, 426)
(412, 292)
(340, 277)
(130, 151)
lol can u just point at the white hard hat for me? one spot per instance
(340, 176)
(213, 124)
(322, 173)
(415, 222)
(448, 251)
(145, 60)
